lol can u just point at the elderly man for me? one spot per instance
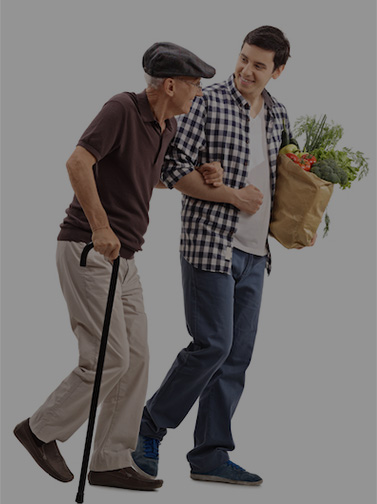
(113, 171)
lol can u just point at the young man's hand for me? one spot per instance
(212, 173)
(106, 243)
(248, 199)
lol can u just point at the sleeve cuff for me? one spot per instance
(90, 149)
(170, 176)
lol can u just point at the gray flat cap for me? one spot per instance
(164, 59)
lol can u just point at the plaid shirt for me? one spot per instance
(217, 129)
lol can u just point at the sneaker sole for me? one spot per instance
(140, 471)
(135, 465)
(217, 479)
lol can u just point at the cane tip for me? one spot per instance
(80, 498)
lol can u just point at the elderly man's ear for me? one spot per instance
(169, 86)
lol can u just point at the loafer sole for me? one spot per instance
(118, 481)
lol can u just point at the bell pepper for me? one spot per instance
(289, 148)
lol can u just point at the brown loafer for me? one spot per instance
(47, 455)
(123, 478)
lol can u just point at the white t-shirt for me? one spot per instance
(252, 230)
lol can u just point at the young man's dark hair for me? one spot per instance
(270, 39)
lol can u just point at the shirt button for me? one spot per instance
(247, 140)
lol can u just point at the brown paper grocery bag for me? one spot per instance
(299, 203)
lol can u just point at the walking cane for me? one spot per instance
(98, 376)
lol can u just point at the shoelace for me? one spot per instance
(151, 447)
(235, 467)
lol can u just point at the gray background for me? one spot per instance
(306, 421)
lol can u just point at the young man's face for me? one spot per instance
(254, 68)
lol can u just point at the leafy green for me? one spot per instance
(355, 164)
(327, 225)
(318, 133)
(339, 166)
(321, 138)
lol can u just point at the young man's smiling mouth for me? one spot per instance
(246, 81)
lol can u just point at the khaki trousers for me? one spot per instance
(125, 373)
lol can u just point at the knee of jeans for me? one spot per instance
(219, 352)
(226, 351)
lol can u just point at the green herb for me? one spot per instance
(355, 164)
(327, 225)
(318, 133)
(321, 138)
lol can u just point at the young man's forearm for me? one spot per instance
(194, 185)
(248, 199)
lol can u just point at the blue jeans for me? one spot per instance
(222, 316)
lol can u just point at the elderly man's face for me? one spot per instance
(187, 88)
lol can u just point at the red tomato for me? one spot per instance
(311, 160)
(294, 158)
(301, 161)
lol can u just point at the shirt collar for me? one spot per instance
(241, 101)
(146, 111)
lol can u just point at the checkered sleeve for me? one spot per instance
(183, 152)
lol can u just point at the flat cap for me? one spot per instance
(164, 59)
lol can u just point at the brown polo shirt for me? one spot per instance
(126, 141)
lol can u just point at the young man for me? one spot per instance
(113, 171)
(224, 253)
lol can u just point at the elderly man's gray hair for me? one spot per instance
(153, 82)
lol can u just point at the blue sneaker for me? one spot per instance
(228, 473)
(146, 455)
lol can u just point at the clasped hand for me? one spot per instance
(212, 173)
(106, 243)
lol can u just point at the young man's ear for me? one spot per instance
(278, 72)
